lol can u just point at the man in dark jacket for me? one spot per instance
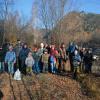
(22, 56)
(88, 58)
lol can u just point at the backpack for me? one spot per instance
(17, 75)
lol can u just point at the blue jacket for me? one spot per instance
(71, 48)
(10, 56)
(76, 60)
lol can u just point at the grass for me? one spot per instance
(90, 86)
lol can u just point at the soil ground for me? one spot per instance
(41, 87)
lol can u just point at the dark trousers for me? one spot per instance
(88, 67)
(62, 64)
(23, 67)
(40, 66)
(71, 63)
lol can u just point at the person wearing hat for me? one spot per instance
(17, 50)
(45, 59)
(10, 59)
(22, 57)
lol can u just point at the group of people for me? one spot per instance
(46, 58)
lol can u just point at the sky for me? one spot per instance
(93, 6)
(24, 7)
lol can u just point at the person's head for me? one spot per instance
(29, 54)
(83, 49)
(35, 49)
(25, 45)
(10, 48)
(62, 45)
(18, 41)
(42, 45)
(45, 51)
(52, 47)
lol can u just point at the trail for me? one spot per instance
(41, 87)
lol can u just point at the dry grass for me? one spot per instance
(91, 86)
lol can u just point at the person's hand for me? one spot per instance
(78, 63)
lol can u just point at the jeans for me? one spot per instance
(11, 67)
(2, 66)
(52, 64)
(40, 64)
(88, 68)
(36, 67)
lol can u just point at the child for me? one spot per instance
(45, 59)
(52, 63)
(76, 64)
(10, 59)
(29, 63)
(37, 59)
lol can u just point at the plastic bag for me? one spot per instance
(17, 75)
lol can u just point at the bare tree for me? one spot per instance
(4, 10)
(51, 12)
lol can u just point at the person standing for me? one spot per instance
(45, 60)
(17, 50)
(29, 63)
(40, 53)
(22, 56)
(76, 64)
(36, 58)
(10, 59)
(88, 59)
(53, 59)
(62, 58)
(71, 49)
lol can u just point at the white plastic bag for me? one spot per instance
(17, 75)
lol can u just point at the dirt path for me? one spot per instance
(41, 87)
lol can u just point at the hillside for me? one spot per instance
(79, 27)
(41, 87)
